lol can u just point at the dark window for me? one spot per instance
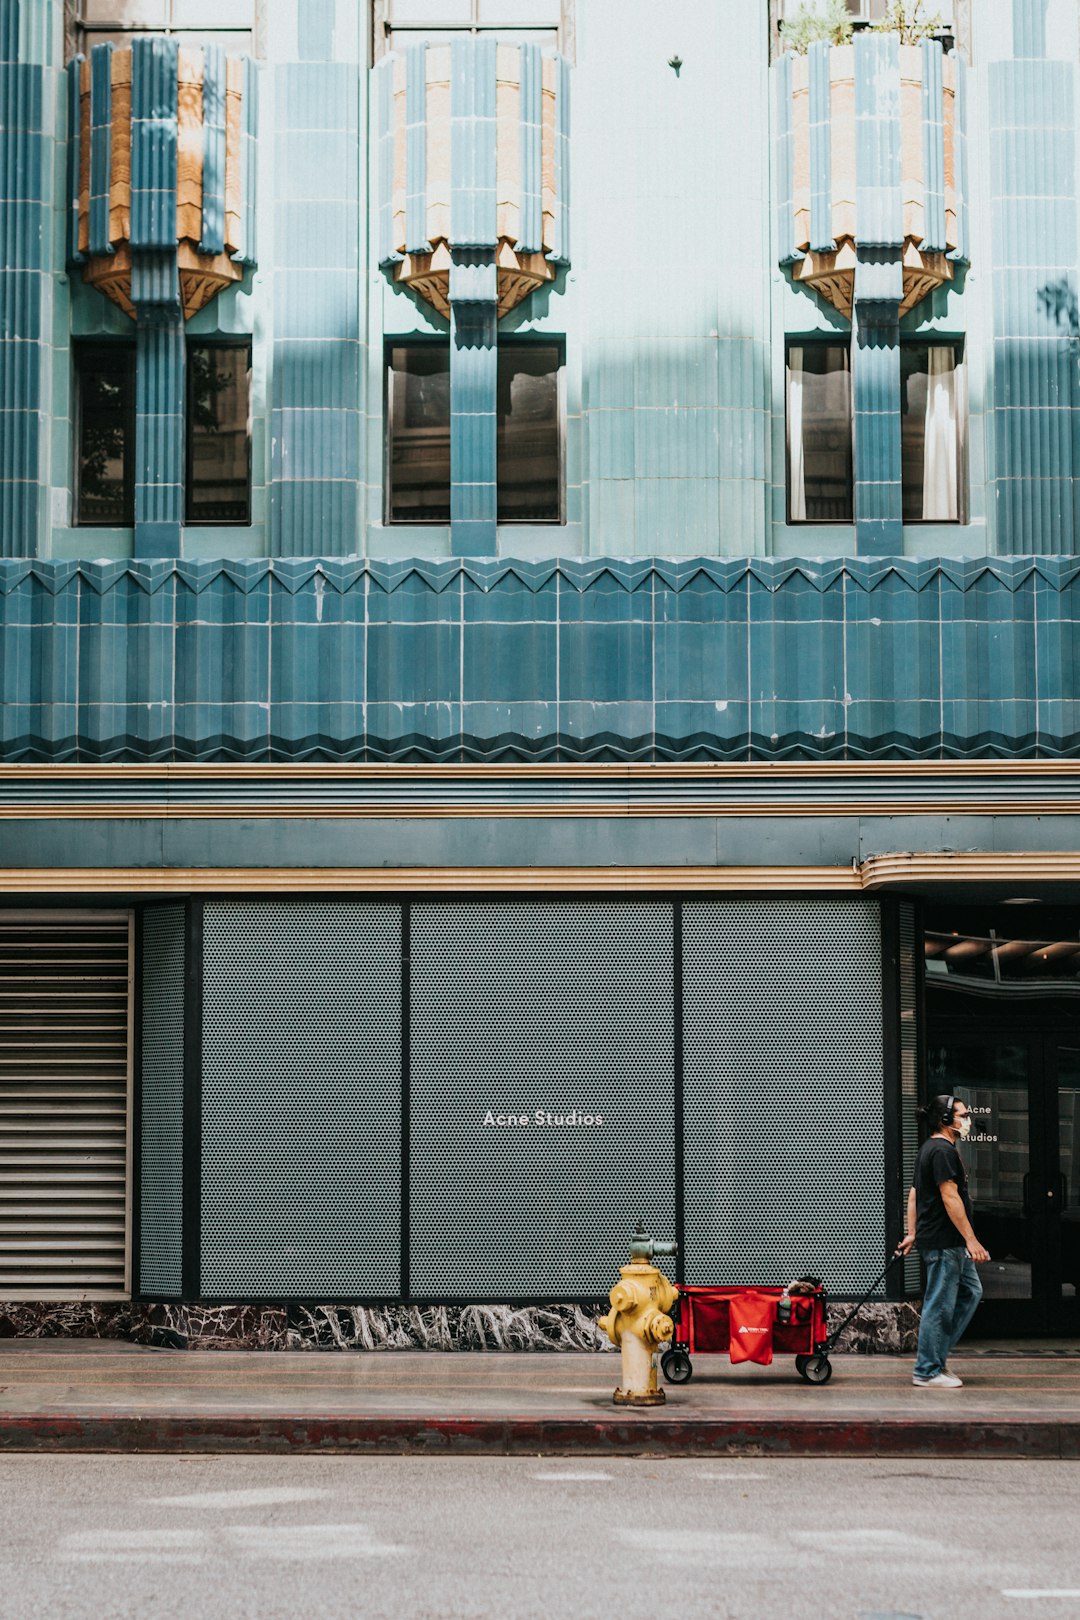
(218, 433)
(105, 387)
(819, 433)
(528, 444)
(528, 452)
(931, 431)
(419, 417)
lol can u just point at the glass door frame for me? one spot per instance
(1046, 1312)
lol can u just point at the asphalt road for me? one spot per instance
(113, 1537)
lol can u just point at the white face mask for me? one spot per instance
(964, 1127)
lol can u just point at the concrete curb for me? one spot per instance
(645, 1435)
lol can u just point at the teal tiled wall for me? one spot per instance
(312, 131)
(1035, 254)
(701, 659)
(673, 311)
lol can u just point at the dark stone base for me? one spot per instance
(881, 1328)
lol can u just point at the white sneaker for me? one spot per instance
(941, 1380)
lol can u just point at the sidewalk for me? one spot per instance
(93, 1395)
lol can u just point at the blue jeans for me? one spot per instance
(953, 1289)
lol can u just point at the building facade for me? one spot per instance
(539, 569)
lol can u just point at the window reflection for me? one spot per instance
(989, 963)
(930, 431)
(420, 433)
(819, 433)
(105, 382)
(528, 433)
(218, 433)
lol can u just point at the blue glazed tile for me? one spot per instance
(814, 729)
(1059, 724)
(336, 726)
(801, 661)
(597, 722)
(317, 373)
(309, 236)
(797, 598)
(317, 663)
(413, 663)
(605, 601)
(316, 96)
(510, 601)
(424, 725)
(909, 727)
(508, 724)
(606, 662)
(509, 663)
(413, 600)
(721, 727)
(706, 662)
(898, 662)
(315, 518)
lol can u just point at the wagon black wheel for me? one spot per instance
(676, 1367)
(800, 1365)
(818, 1370)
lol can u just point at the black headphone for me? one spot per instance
(948, 1111)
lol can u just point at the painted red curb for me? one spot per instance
(527, 1436)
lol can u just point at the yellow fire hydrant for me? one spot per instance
(638, 1321)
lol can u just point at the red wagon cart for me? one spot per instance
(704, 1326)
(753, 1324)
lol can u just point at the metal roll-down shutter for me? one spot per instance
(65, 1110)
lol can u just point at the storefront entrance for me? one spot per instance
(1004, 1032)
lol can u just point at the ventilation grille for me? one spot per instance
(301, 1120)
(162, 1166)
(64, 1106)
(783, 1082)
(560, 1008)
(909, 1068)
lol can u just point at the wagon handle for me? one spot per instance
(836, 1332)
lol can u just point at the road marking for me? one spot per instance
(559, 1477)
(733, 1475)
(270, 1497)
(292, 1541)
(1041, 1591)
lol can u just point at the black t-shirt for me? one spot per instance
(938, 1161)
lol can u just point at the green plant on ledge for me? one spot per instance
(908, 19)
(831, 22)
(811, 24)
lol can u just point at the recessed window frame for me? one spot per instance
(821, 341)
(83, 29)
(556, 341)
(241, 344)
(81, 351)
(934, 340)
(426, 25)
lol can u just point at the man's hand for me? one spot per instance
(976, 1252)
(905, 1243)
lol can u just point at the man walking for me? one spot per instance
(939, 1218)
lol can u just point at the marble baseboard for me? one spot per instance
(881, 1328)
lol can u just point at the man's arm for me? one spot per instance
(954, 1208)
(904, 1245)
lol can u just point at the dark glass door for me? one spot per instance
(1023, 1162)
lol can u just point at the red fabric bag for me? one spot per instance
(752, 1317)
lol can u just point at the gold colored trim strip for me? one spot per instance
(359, 879)
(615, 770)
(404, 810)
(876, 873)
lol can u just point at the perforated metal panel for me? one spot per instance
(910, 1036)
(161, 1181)
(558, 1009)
(783, 1087)
(301, 1117)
